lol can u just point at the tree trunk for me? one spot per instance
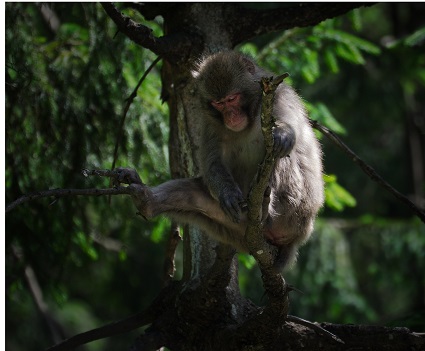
(180, 95)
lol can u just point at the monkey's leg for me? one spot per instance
(189, 201)
(182, 199)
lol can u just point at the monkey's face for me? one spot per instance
(228, 85)
(234, 118)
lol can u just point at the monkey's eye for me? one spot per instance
(217, 104)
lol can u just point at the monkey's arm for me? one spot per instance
(187, 201)
(219, 181)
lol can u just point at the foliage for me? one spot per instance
(64, 98)
(65, 93)
(349, 271)
(336, 196)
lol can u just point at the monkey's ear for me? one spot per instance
(197, 67)
(249, 65)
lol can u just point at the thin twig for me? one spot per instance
(127, 107)
(58, 193)
(115, 328)
(368, 169)
(163, 302)
(315, 327)
(55, 327)
(172, 47)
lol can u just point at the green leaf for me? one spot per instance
(311, 71)
(85, 245)
(351, 40)
(356, 19)
(122, 255)
(331, 61)
(336, 197)
(160, 229)
(247, 260)
(249, 49)
(320, 112)
(415, 38)
(349, 53)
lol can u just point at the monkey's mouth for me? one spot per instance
(236, 122)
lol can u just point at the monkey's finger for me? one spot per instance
(232, 210)
(235, 212)
(283, 147)
(243, 206)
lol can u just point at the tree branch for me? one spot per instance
(368, 169)
(55, 328)
(249, 23)
(115, 328)
(58, 193)
(127, 107)
(172, 47)
(264, 253)
(317, 328)
(163, 302)
(150, 10)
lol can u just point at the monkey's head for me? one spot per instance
(229, 87)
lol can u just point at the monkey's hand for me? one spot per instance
(284, 141)
(232, 202)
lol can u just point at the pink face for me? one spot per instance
(233, 116)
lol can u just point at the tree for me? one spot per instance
(206, 304)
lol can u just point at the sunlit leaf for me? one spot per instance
(247, 260)
(336, 197)
(351, 40)
(319, 112)
(349, 53)
(416, 38)
(331, 61)
(160, 229)
(86, 245)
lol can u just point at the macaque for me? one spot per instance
(231, 149)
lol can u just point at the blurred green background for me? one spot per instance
(67, 78)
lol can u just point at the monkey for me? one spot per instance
(231, 149)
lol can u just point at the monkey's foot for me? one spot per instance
(141, 193)
(127, 176)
